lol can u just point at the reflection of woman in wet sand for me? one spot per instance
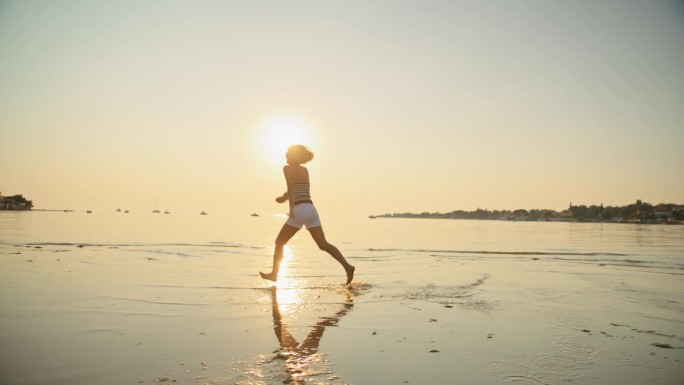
(302, 212)
(296, 354)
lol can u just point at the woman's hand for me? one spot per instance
(282, 198)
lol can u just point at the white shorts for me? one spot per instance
(305, 214)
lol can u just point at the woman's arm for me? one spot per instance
(282, 198)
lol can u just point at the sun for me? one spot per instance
(281, 131)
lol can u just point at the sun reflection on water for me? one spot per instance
(289, 286)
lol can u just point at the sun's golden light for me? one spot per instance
(281, 131)
(288, 286)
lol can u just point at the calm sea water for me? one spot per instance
(150, 298)
(639, 246)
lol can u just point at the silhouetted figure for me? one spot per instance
(302, 212)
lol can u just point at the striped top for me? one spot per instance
(301, 192)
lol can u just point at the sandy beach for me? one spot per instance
(197, 313)
(152, 151)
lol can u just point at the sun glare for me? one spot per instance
(289, 286)
(281, 131)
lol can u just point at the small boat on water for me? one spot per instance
(89, 211)
(255, 214)
(167, 212)
(203, 213)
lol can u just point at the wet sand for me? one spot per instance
(200, 314)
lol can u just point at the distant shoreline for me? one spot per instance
(55, 210)
(15, 203)
(637, 213)
(633, 222)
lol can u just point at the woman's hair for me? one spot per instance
(301, 153)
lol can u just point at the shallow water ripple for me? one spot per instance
(448, 295)
(542, 370)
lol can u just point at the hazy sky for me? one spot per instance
(408, 105)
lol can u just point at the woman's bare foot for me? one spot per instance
(350, 273)
(272, 277)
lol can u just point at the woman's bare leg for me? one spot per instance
(284, 236)
(319, 236)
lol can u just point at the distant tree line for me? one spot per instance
(15, 202)
(636, 212)
(639, 211)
